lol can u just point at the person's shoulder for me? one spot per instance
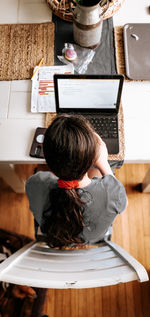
(44, 178)
(109, 179)
(114, 190)
(112, 183)
(104, 180)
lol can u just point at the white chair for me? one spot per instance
(39, 266)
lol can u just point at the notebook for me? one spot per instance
(97, 97)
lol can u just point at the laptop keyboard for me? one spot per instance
(106, 127)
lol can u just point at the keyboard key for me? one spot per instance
(106, 127)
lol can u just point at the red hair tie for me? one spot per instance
(67, 184)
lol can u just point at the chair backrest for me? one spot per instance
(39, 266)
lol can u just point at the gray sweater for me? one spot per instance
(106, 197)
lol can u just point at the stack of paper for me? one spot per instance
(43, 97)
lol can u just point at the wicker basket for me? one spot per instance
(61, 9)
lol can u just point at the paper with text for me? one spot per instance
(42, 96)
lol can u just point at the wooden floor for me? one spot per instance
(131, 230)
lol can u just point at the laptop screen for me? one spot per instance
(81, 93)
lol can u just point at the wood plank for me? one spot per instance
(49, 305)
(74, 302)
(106, 307)
(66, 307)
(130, 299)
(83, 306)
(98, 303)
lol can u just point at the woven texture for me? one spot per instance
(115, 157)
(119, 51)
(22, 46)
(61, 8)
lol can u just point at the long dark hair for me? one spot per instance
(69, 149)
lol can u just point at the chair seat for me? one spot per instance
(39, 266)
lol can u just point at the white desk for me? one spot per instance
(17, 123)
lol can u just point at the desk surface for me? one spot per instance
(17, 123)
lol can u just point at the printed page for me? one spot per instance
(43, 97)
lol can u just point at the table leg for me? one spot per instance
(146, 183)
(8, 173)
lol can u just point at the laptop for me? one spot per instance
(97, 97)
(136, 50)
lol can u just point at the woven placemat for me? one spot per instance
(121, 154)
(22, 46)
(119, 51)
(114, 157)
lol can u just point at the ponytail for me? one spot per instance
(66, 221)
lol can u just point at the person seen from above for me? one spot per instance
(76, 202)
